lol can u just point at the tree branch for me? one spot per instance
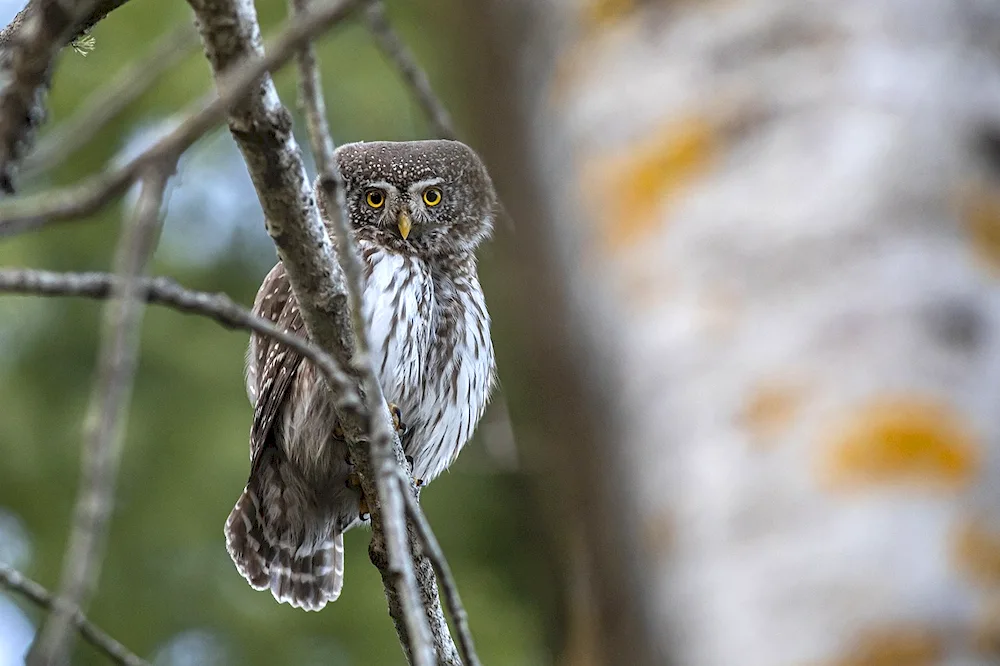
(109, 101)
(95, 13)
(28, 47)
(388, 543)
(396, 51)
(432, 550)
(414, 611)
(17, 582)
(166, 292)
(104, 426)
(71, 203)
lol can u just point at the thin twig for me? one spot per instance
(311, 101)
(391, 511)
(445, 580)
(106, 103)
(89, 196)
(70, 203)
(17, 582)
(396, 51)
(104, 426)
(166, 292)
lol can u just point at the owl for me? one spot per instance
(418, 211)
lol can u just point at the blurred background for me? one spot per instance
(168, 589)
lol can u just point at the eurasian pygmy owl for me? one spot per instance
(418, 211)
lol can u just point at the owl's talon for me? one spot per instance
(397, 419)
(363, 511)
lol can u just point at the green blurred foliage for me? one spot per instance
(185, 461)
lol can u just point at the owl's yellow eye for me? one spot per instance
(432, 196)
(375, 198)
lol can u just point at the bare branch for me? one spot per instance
(104, 426)
(17, 582)
(311, 102)
(166, 292)
(109, 101)
(69, 203)
(433, 551)
(30, 44)
(397, 52)
(89, 196)
(96, 13)
(389, 535)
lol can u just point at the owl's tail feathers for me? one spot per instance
(304, 577)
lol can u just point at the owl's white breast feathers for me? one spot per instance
(398, 302)
(430, 343)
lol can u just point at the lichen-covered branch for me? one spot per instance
(94, 12)
(17, 582)
(104, 426)
(262, 128)
(28, 47)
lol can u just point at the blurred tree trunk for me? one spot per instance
(755, 338)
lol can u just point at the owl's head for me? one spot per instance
(424, 198)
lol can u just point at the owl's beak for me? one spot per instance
(404, 225)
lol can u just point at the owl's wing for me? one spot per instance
(272, 366)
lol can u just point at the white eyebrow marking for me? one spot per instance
(381, 184)
(421, 184)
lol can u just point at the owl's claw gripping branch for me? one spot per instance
(364, 513)
(418, 482)
(354, 483)
(397, 419)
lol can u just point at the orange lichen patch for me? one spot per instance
(977, 553)
(628, 190)
(900, 646)
(980, 213)
(903, 440)
(599, 13)
(771, 407)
